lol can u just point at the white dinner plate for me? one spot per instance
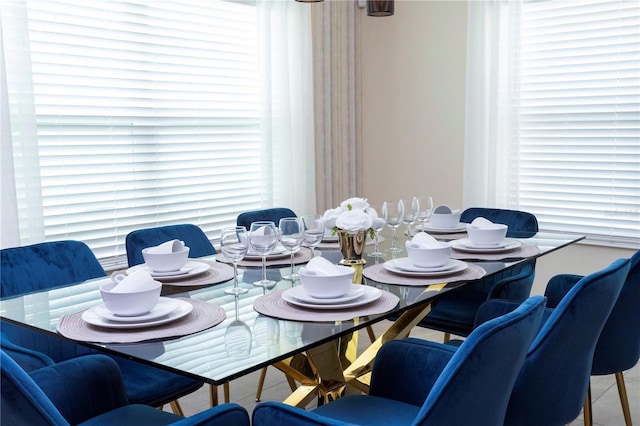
(183, 309)
(277, 253)
(299, 293)
(369, 295)
(189, 269)
(391, 267)
(405, 264)
(430, 228)
(165, 306)
(466, 245)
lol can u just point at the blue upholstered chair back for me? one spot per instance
(553, 382)
(46, 265)
(474, 387)
(193, 237)
(521, 224)
(274, 214)
(618, 347)
(23, 402)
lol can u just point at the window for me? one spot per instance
(567, 92)
(147, 112)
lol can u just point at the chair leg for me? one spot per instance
(263, 375)
(227, 392)
(176, 408)
(624, 400)
(372, 335)
(447, 337)
(213, 395)
(588, 419)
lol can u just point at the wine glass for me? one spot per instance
(393, 213)
(411, 215)
(377, 226)
(290, 229)
(426, 209)
(237, 336)
(313, 231)
(263, 237)
(234, 244)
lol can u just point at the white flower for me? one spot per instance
(354, 220)
(353, 215)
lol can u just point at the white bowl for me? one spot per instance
(428, 257)
(327, 286)
(165, 262)
(487, 236)
(445, 220)
(130, 303)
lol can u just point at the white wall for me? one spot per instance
(413, 84)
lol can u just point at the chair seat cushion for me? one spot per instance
(369, 410)
(138, 379)
(133, 414)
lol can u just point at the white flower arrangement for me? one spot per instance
(352, 216)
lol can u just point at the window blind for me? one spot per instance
(148, 113)
(578, 108)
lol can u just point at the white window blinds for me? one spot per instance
(578, 125)
(148, 113)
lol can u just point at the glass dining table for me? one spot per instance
(315, 351)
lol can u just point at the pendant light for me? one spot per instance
(380, 7)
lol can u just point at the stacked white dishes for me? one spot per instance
(445, 219)
(427, 257)
(486, 237)
(329, 286)
(169, 261)
(132, 301)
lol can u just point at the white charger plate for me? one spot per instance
(277, 253)
(165, 306)
(299, 293)
(405, 264)
(430, 228)
(467, 245)
(189, 269)
(391, 267)
(183, 309)
(369, 295)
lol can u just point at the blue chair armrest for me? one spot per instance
(405, 370)
(84, 387)
(26, 358)
(229, 414)
(516, 287)
(558, 286)
(277, 413)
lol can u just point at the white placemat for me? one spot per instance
(273, 305)
(302, 256)
(377, 273)
(203, 316)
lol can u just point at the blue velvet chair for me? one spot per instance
(88, 390)
(455, 313)
(193, 237)
(57, 264)
(274, 214)
(552, 385)
(618, 347)
(199, 246)
(417, 382)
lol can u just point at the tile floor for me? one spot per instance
(606, 403)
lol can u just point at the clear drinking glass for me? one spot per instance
(263, 237)
(393, 213)
(291, 238)
(234, 243)
(426, 209)
(411, 214)
(313, 231)
(377, 226)
(237, 337)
